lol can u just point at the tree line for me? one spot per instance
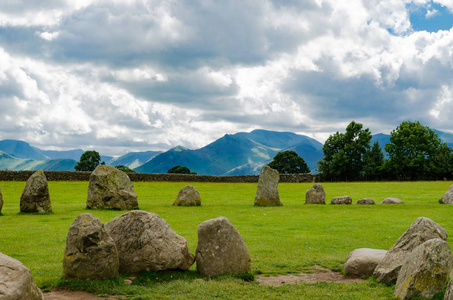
(415, 152)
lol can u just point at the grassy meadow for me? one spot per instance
(281, 240)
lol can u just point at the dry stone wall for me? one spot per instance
(85, 176)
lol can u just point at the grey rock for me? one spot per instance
(449, 291)
(16, 281)
(221, 249)
(448, 196)
(425, 271)
(315, 195)
(188, 196)
(341, 200)
(110, 188)
(420, 231)
(365, 201)
(90, 252)
(145, 242)
(35, 196)
(363, 261)
(392, 201)
(267, 191)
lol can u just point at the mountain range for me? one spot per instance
(233, 154)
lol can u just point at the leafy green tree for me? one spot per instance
(374, 161)
(89, 160)
(289, 162)
(441, 165)
(415, 151)
(344, 153)
(179, 170)
(124, 168)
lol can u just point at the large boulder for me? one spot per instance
(363, 261)
(315, 195)
(16, 281)
(221, 249)
(341, 200)
(188, 196)
(365, 201)
(448, 196)
(110, 188)
(420, 231)
(145, 242)
(392, 201)
(425, 271)
(90, 252)
(267, 191)
(35, 196)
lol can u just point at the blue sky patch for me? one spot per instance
(431, 18)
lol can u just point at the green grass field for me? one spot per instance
(281, 240)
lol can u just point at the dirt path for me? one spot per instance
(63, 294)
(320, 274)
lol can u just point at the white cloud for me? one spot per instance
(158, 73)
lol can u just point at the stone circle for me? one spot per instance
(35, 196)
(392, 201)
(315, 195)
(341, 200)
(425, 271)
(110, 188)
(420, 231)
(90, 252)
(267, 191)
(188, 196)
(145, 242)
(365, 201)
(221, 249)
(16, 281)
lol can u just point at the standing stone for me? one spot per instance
(315, 195)
(1, 201)
(342, 200)
(363, 261)
(392, 201)
(267, 191)
(221, 249)
(90, 252)
(365, 201)
(449, 291)
(111, 188)
(35, 196)
(448, 196)
(420, 231)
(425, 271)
(145, 242)
(188, 196)
(16, 281)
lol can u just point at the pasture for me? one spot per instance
(282, 240)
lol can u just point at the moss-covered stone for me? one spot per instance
(90, 252)
(35, 196)
(425, 271)
(110, 188)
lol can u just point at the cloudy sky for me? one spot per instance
(123, 75)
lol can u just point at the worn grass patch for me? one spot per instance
(282, 240)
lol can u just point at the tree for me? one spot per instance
(89, 160)
(344, 153)
(180, 170)
(413, 151)
(124, 168)
(289, 162)
(374, 161)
